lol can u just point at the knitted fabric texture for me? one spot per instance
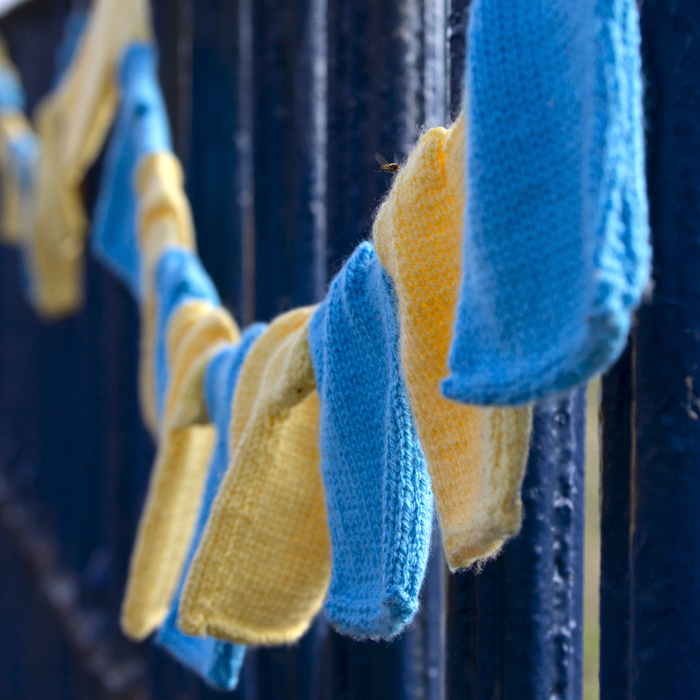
(476, 456)
(196, 332)
(217, 663)
(378, 496)
(165, 220)
(141, 127)
(72, 122)
(19, 153)
(556, 240)
(261, 572)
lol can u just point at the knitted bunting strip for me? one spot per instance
(165, 220)
(556, 241)
(141, 128)
(263, 565)
(476, 456)
(217, 663)
(380, 506)
(196, 332)
(72, 122)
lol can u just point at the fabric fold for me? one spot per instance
(380, 505)
(262, 568)
(164, 221)
(72, 123)
(215, 661)
(476, 456)
(141, 128)
(19, 154)
(196, 331)
(556, 244)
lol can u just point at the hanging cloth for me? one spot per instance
(164, 221)
(72, 122)
(218, 663)
(141, 128)
(380, 505)
(556, 244)
(262, 569)
(476, 456)
(196, 331)
(19, 154)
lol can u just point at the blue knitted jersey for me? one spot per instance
(377, 486)
(556, 244)
(141, 127)
(179, 278)
(218, 663)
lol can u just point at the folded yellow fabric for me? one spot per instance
(88, 92)
(72, 122)
(476, 456)
(165, 220)
(53, 247)
(15, 133)
(196, 332)
(262, 569)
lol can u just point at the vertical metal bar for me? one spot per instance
(245, 161)
(457, 53)
(514, 630)
(616, 422)
(665, 482)
(318, 59)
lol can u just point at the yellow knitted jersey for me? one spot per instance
(476, 456)
(196, 332)
(263, 566)
(165, 220)
(72, 123)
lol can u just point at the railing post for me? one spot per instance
(650, 607)
(515, 628)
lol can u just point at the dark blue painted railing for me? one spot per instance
(278, 107)
(650, 607)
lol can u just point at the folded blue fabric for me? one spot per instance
(141, 127)
(179, 278)
(556, 244)
(380, 505)
(12, 97)
(217, 663)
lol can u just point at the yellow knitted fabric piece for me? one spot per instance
(165, 220)
(12, 128)
(476, 456)
(195, 333)
(263, 566)
(72, 123)
(88, 92)
(53, 247)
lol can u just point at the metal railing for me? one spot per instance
(278, 107)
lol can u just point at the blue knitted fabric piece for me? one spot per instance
(141, 127)
(378, 495)
(23, 151)
(217, 662)
(179, 278)
(12, 97)
(556, 244)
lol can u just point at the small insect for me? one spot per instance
(385, 166)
